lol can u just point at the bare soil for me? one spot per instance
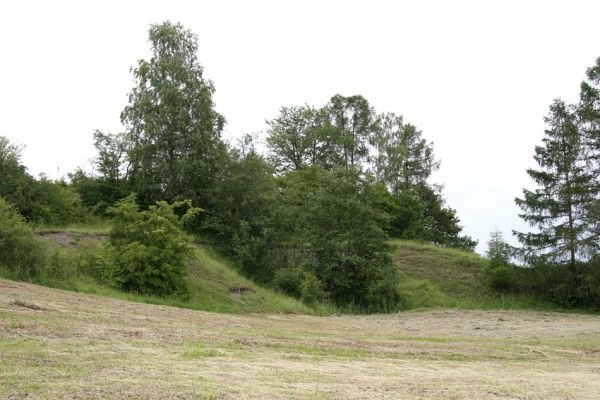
(71, 239)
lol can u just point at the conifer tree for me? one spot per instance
(588, 112)
(558, 206)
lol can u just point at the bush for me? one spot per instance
(311, 289)
(580, 289)
(55, 203)
(335, 220)
(22, 254)
(498, 277)
(147, 250)
(301, 283)
(288, 280)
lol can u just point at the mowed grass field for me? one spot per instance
(59, 344)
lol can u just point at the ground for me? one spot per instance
(58, 344)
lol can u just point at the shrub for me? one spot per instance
(335, 220)
(147, 250)
(55, 203)
(311, 289)
(288, 280)
(300, 282)
(498, 277)
(22, 254)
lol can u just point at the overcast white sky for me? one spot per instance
(477, 77)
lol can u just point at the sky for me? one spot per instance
(476, 77)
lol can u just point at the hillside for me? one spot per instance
(214, 284)
(57, 344)
(431, 277)
(438, 277)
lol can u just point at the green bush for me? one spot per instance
(498, 277)
(569, 289)
(22, 254)
(335, 220)
(288, 280)
(301, 283)
(311, 289)
(147, 250)
(55, 204)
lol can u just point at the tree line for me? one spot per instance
(312, 216)
(562, 250)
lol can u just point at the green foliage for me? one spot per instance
(97, 194)
(16, 185)
(56, 204)
(289, 280)
(557, 208)
(40, 201)
(347, 133)
(147, 250)
(498, 273)
(240, 211)
(419, 213)
(176, 151)
(588, 113)
(355, 121)
(332, 218)
(113, 151)
(334, 136)
(311, 289)
(21, 253)
(499, 277)
(404, 159)
(302, 136)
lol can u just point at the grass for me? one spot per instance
(431, 277)
(438, 277)
(60, 344)
(213, 284)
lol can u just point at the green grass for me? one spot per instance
(438, 277)
(431, 277)
(214, 285)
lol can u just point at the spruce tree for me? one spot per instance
(558, 206)
(588, 112)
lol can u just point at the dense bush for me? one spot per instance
(147, 250)
(55, 204)
(240, 211)
(97, 194)
(22, 255)
(568, 288)
(332, 221)
(499, 277)
(498, 273)
(41, 201)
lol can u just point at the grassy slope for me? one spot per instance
(214, 284)
(56, 344)
(433, 276)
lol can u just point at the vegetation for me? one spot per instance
(498, 271)
(174, 149)
(22, 255)
(311, 217)
(58, 344)
(147, 250)
(564, 248)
